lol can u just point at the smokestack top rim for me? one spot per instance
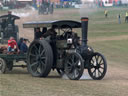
(84, 18)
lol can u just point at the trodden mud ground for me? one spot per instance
(105, 36)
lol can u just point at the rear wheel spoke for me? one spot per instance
(76, 72)
(39, 49)
(77, 62)
(92, 60)
(69, 63)
(99, 71)
(43, 65)
(34, 69)
(100, 61)
(31, 54)
(101, 64)
(94, 71)
(36, 53)
(101, 67)
(36, 48)
(33, 64)
(42, 52)
(97, 57)
(43, 58)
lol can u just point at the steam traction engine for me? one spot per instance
(8, 27)
(63, 51)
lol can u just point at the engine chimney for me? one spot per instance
(84, 22)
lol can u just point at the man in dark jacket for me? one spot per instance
(23, 46)
(20, 42)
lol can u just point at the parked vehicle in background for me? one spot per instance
(8, 27)
(46, 8)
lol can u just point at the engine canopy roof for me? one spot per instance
(57, 24)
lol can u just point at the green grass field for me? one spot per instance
(115, 50)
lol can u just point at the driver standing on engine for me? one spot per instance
(50, 32)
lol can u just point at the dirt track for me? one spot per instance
(20, 83)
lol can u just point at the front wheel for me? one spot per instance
(74, 66)
(98, 66)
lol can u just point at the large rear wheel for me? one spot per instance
(74, 66)
(98, 66)
(40, 58)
